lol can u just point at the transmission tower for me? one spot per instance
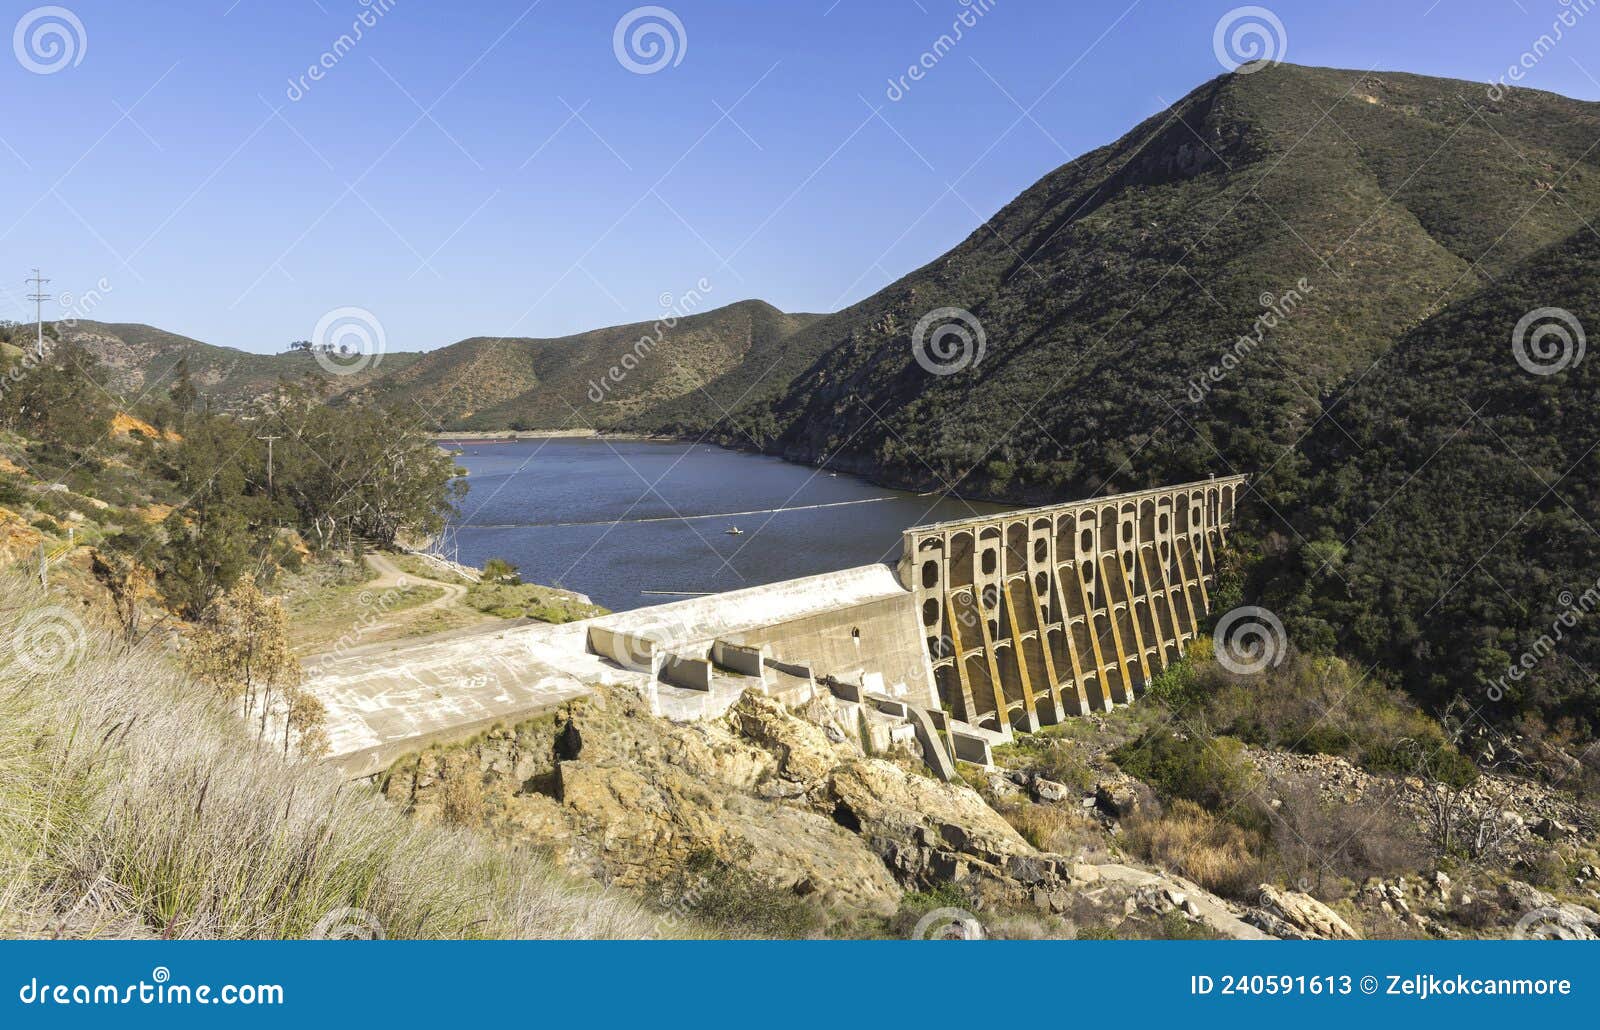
(38, 296)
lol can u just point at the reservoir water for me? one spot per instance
(634, 523)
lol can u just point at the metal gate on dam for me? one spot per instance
(1038, 614)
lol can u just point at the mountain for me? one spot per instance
(1324, 211)
(141, 359)
(1452, 532)
(597, 379)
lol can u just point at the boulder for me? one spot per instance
(1050, 791)
(1117, 797)
(1306, 914)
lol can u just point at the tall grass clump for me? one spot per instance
(132, 803)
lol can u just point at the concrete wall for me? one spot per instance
(1033, 615)
(858, 642)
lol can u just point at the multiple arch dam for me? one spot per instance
(985, 627)
(1039, 614)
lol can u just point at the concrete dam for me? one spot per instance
(984, 627)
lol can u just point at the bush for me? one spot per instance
(1052, 828)
(1318, 705)
(1315, 837)
(1218, 855)
(498, 570)
(1210, 771)
(739, 903)
(1049, 757)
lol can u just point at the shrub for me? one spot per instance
(1050, 828)
(1218, 855)
(1211, 771)
(738, 902)
(1318, 705)
(498, 570)
(1316, 838)
(1049, 757)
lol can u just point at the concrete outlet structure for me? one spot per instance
(985, 627)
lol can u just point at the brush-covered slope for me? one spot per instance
(1106, 288)
(1455, 522)
(143, 360)
(593, 380)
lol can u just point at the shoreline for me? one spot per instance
(512, 436)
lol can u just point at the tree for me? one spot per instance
(202, 557)
(127, 580)
(183, 392)
(307, 717)
(242, 649)
(362, 472)
(58, 396)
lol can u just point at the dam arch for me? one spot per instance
(1069, 608)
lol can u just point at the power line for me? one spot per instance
(38, 296)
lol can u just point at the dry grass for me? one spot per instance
(1054, 829)
(1219, 856)
(131, 803)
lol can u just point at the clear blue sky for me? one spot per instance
(486, 168)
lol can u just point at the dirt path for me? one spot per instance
(390, 575)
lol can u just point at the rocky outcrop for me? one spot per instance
(1293, 915)
(633, 801)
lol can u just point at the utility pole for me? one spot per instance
(38, 296)
(269, 440)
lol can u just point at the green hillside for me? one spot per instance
(597, 379)
(1108, 287)
(1454, 523)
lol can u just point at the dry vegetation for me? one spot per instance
(132, 804)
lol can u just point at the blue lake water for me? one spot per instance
(619, 520)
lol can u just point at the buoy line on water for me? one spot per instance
(677, 518)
